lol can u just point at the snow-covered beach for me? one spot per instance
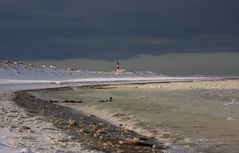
(21, 129)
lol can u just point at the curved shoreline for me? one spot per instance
(57, 118)
(92, 132)
(22, 130)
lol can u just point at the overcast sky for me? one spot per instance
(110, 30)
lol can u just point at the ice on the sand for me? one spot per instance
(7, 149)
(26, 150)
(232, 102)
(4, 148)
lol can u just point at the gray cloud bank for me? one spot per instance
(110, 30)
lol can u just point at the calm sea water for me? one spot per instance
(188, 117)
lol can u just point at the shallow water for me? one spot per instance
(205, 119)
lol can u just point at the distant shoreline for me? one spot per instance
(86, 84)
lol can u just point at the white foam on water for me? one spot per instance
(130, 122)
(232, 102)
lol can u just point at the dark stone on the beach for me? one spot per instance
(72, 101)
(93, 127)
(165, 135)
(25, 128)
(101, 131)
(158, 146)
(54, 101)
(138, 141)
(143, 142)
(72, 123)
(107, 144)
(83, 131)
(103, 101)
(66, 101)
(91, 115)
(79, 101)
(127, 131)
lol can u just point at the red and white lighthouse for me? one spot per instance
(117, 66)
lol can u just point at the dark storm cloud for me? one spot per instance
(107, 29)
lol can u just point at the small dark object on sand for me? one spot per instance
(54, 101)
(79, 101)
(72, 123)
(102, 101)
(72, 101)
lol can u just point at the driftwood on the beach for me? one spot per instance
(141, 142)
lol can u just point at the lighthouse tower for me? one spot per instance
(117, 67)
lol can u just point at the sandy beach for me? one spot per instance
(123, 76)
(22, 130)
(196, 116)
